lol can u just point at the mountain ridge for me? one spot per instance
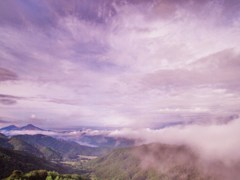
(9, 128)
(30, 127)
(48, 147)
(13, 127)
(11, 160)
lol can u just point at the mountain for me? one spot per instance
(4, 141)
(9, 128)
(48, 147)
(20, 145)
(67, 149)
(139, 163)
(160, 161)
(2, 136)
(16, 160)
(50, 154)
(30, 127)
(14, 143)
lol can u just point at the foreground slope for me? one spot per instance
(44, 175)
(17, 160)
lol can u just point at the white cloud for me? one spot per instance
(135, 70)
(214, 142)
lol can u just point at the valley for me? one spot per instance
(153, 161)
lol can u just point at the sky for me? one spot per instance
(129, 63)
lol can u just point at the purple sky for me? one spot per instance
(137, 63)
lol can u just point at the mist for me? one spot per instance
(210, 150)
(209, 141)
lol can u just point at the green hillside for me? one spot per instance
(66, 149)
(20, 145)
(17, 160)
(50, 154)
(48, 147)
(153, 162)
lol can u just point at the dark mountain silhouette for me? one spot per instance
(30, 127)
(17, 160)
(9, 128)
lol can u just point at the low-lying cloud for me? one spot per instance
(209, 141)
(217, 141)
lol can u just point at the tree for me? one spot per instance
(16, 174)
(37, 175)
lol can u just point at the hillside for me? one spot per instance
(151, 161)
(160, 162)
(20, 145)
(4, 141)
(137, 163)
(48, 147)
(67, 149)
(16, 160)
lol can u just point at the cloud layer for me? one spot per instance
(105, 63)
(210, 142)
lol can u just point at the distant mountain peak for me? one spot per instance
(9, 128)
(30, 127)
(27, 127)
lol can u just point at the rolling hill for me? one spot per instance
(20, 145)
(67, 149)
(48, 147)
(17, 160)
(160, 162)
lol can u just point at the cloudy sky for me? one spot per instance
(129, 63)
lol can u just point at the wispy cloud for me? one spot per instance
(6, 74)
(109, 64)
